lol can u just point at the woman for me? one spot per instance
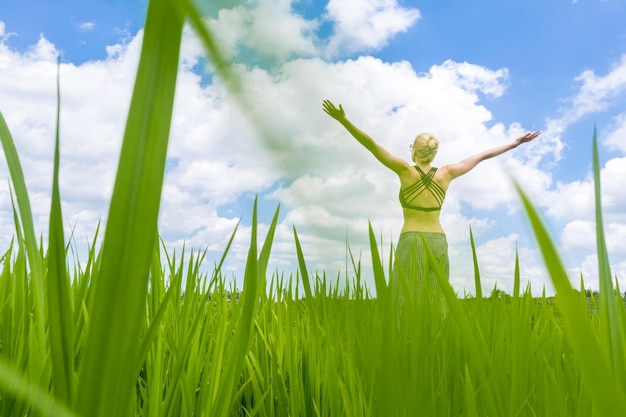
(422, 191)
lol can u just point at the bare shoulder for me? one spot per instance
(443, 172)
(444, 175)
(402, 168)
(406, 173)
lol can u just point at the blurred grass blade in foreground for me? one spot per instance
(39, 400)
(611, 323)
(118, 312)
(590, 349)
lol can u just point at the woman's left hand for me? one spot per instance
(334, 112)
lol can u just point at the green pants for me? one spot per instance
(412, 262)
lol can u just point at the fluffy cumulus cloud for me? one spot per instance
(328, 186)
(497, 258)
(357, 26)
(95, 99)
(254, 26)
(573, 202)
(366, 24)
(581, 234)
(595, 93)
(615, 137)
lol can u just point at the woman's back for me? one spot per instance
(422, 193)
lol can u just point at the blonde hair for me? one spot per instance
(425, 148)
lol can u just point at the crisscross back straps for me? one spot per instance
(425, 182)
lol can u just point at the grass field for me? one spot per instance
(135, 331)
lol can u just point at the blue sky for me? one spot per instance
(476, 74)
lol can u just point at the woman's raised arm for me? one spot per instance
(466, 165)
(392, 162)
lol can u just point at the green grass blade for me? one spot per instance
(609, 315)
(218, 268)
(264, 256)
(241, 340)
(220, 63)
(475, 342)
(379, 270)
(516, 276)
(470, 395)
(600, 380)
(153, 328)
(302, 265)
(230, 77)
(477, 284)
(28, 228)
(356, 264)
(59, 302)
(111, 348)
(39, 399)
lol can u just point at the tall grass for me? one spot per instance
(137, 333)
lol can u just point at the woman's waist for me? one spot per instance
(428, 235)
(427, 225)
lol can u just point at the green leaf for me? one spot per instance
(610, 320)
(264, 256)
(474, 343)
(302, 265)
(379, 270)
(600, 380)
(240, 346)
(58, 297)
(40, 400)
(25, 220)
(111, 348)
(516, 276)
(477, 285)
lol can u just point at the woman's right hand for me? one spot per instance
(334, 112)
(527, 137)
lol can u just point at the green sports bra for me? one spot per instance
(410, 193)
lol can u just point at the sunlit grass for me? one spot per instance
(135, 330)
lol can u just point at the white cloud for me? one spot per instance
(612, 189)
(255, 26)
(576, 199)
(294, 34)
(251, 32)
(473, 78)
(4, 36)
(615, 138)
(579, 234)
(588, 269)
(94, 99)
(496, 262)
(328, 185)
(594, 94)
(365, 25)
(615, 235)
(216, 157)
(596, 91)
(87, 25)
(569, 200)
